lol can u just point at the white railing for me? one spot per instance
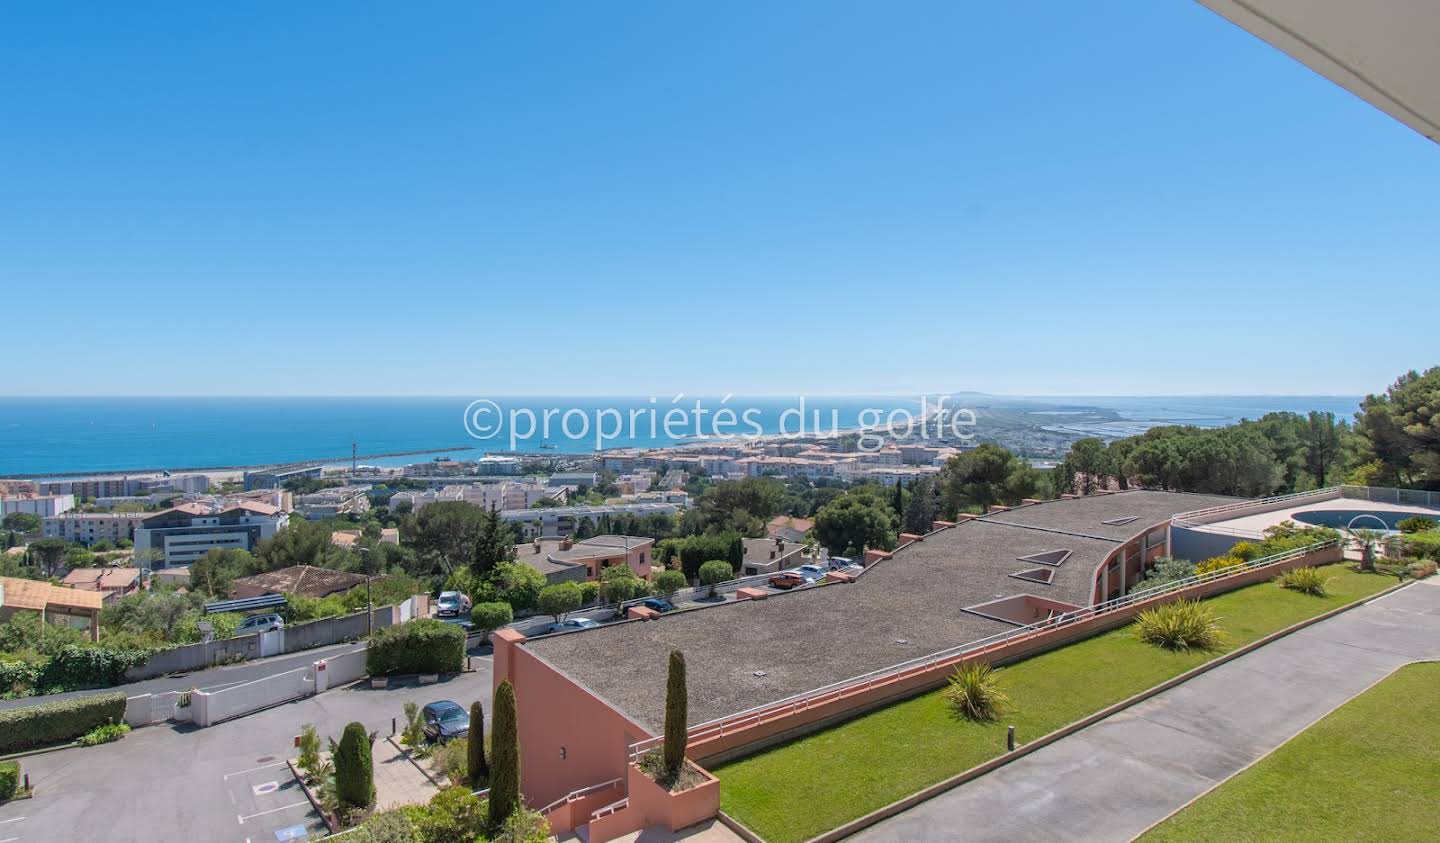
(752, 716)
(1386, 494)
(580, 794)
(1188, 519)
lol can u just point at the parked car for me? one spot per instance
(261, 623)
(572, 624)
(451, 603)
(787, 580)
(811, 572)
(658, 604)
(445, 720)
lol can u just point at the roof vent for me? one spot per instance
(758, 673)
(1040, 575)
(1120, 522)
(1054, 558)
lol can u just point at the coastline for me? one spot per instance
(56, 475)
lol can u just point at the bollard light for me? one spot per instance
(1010, 739)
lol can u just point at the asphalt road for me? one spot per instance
(227, 782)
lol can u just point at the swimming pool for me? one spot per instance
(1341, 518)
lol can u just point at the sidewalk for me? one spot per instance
(1115, 779)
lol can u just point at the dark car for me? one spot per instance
(657, 604)
(445, 720)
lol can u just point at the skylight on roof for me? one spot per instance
(1040, 575)
(1050, 557)
(1120, 522)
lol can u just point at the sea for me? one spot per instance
(73, 436)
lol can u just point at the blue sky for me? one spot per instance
(476, 198)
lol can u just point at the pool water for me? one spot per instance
(1341, 518)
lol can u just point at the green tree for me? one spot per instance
(475, 767)
(987, 476)
(1323, 438)
(214, 572)
(560, 599)
(855, 521)
(1400, 430)
(22, 522)
(714, 572)
(488, 617)
(300, 543)
(922, 507)
(504, 757)
(618, 584)
(455, 534)
(354, 768)
(668, 582)
(677, 715)
(49, 556)
(741, 505)
(518, 584)
(1085, 467)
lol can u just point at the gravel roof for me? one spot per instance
(902, 608)
(1086, 516)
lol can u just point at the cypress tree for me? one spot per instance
(677, 715)
(899, 503)
(475, 756)
(505, 758)
(354, 768)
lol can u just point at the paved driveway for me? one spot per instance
(1115, 779)
(225, 783)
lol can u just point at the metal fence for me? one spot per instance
(750, 717)
(1399, 497)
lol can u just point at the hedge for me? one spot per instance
(57, 722)
(9, 779)
(420, 646)
(75, 668)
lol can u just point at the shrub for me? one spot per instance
(57, 722)
(1424, 544)
(488, 617)
(524, 826)
(504, 757)
(669, 582)
(9, 779)
(1420, 569)
(392, 826)
(974, 692)
(18, 677)
(76, 667)
(309, 760)
(1304, 580)
(420, 646)
(1181, 625)
(104, 734)
(413, 735)
(476, 770)
(453, 814)
(451, 760)
(714, 572)
(589, 592)
(1166, 570)
(677, 713)
(1416, 524)
(560, 599)
(1245, 551)
(1218, 563)
(354, 768)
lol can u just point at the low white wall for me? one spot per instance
(210, 707)
(346, 668)
(137, 711)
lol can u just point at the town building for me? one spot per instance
(55, 604)
(564, 560)
(43, 506)
(328, 503)
(275, 478)
(600, 694)
(566, 520)
(789, 527)
(769, 555)
(182, 534)
(112, 583)
(573, 479)
(305, 580)
(88, 528)
(497, 464)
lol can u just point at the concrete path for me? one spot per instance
(1116, 778)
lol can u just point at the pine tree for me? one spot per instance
(475, 766)
(677, 715)
(898, 504)
(505, 758)
(354, 768)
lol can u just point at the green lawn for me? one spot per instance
(867, 763)
(1366, 772)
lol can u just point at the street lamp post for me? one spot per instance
(369, 603)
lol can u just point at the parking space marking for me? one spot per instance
(11, 820)
(9, 840)
(306, 804)
(252, 770)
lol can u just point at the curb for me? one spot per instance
(41, 751)
(739, 828)
(975, 772)
(414, 762)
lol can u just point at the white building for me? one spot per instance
(564, 520)
(328, 503)
(90, 527)
(42, 505)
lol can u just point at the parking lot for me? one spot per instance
(227, 782)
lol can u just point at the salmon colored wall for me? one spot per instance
(653, 805)
(555, 712)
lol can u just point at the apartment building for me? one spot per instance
(44, 506)
(89, 527)
(274, 479)
(564, 560)
(566, 520)
(328, 503)
(184, 533)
